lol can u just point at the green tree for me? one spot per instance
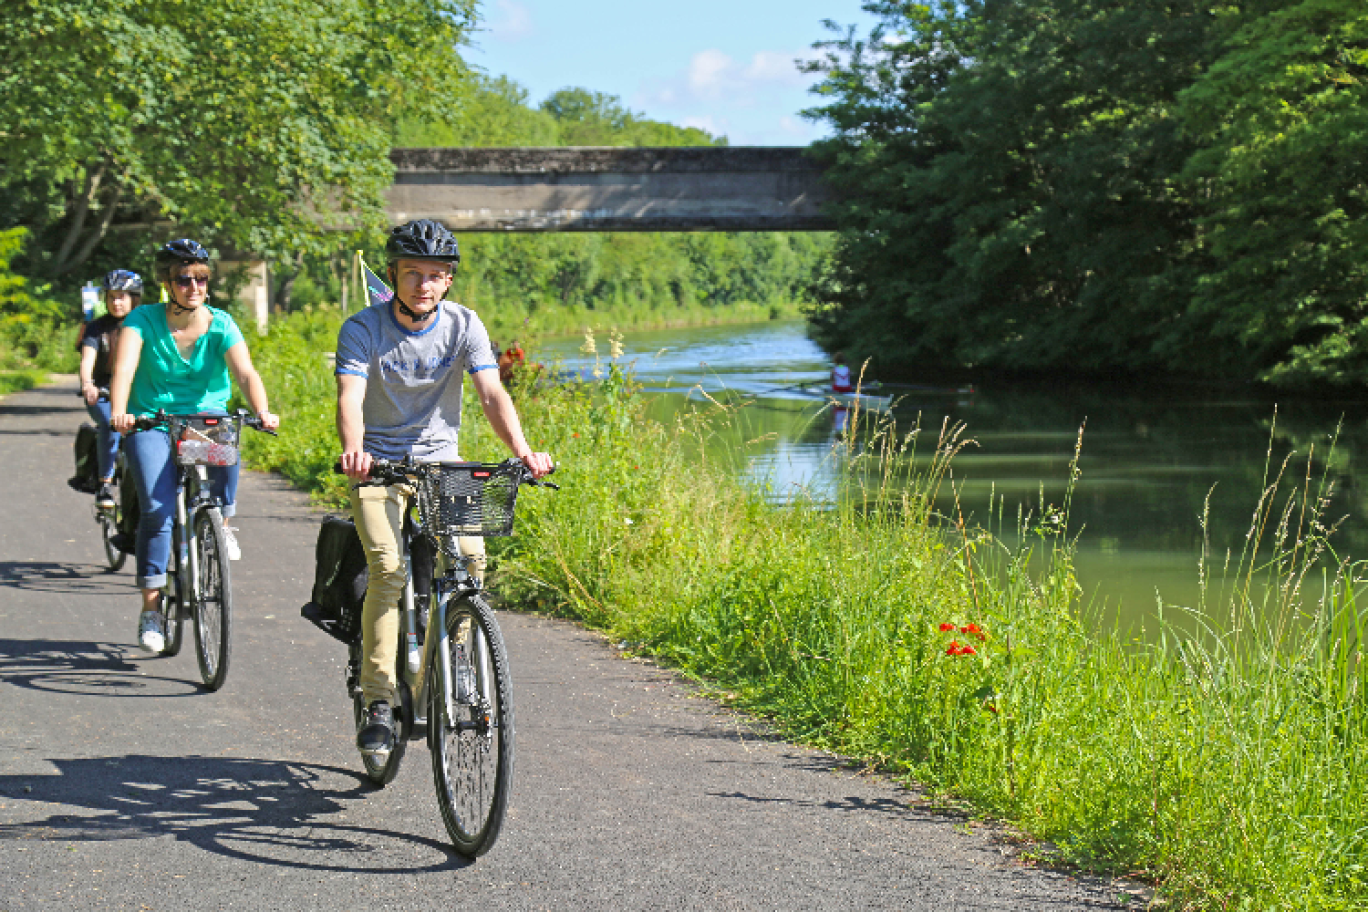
(259, 125)
(1008, 170)
(1282, 120)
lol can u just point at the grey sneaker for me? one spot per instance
(230, 542)
(104, 498)
(151, 636)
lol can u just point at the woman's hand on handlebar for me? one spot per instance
(122, 422)
(356, 465)
(270, 421)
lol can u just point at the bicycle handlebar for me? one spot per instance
(148, 422)
(389, 471)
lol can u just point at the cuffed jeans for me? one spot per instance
(379, 516)
(108, 446)
(154, 475)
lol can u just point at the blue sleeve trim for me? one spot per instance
(482, 367)
(354, 373)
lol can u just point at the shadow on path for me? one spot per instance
(85, 667)
(64, 576)
(267, 811)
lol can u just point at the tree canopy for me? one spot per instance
(1086, 187)
(258, 125)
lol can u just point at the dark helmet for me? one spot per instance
(422, 239)
(122, 280)
(179, 253)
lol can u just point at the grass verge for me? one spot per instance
(1227, 766)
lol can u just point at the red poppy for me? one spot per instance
(974, 630)
(953, 649)
(576, 434)
(947, 627)
(967, 650)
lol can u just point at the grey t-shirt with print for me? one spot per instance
(413, 379)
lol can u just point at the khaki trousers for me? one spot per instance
(379, 516)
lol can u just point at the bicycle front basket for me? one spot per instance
(206, 440)
(468, 499)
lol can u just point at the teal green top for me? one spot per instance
(166, 380)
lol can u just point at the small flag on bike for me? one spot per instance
(375, 286)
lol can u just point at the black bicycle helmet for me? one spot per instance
(122, 280)
(178, 253)
(422, 239)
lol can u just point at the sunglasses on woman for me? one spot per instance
(186, 281)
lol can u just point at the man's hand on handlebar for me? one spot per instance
(539, 464)
(356, 465)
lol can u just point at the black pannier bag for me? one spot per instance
(87, 477)
(340, 579)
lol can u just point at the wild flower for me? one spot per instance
(946, 627)
(975, 630)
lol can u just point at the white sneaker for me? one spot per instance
(231, 544)
(150, 635)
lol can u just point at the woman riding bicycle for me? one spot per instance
(122, 292)
(176, 358)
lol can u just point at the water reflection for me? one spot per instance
(1152, 460)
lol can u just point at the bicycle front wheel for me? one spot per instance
(214, 599)
(472, 746)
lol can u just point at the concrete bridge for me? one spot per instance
(695, 188)
(710, 188)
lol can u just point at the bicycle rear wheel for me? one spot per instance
(214, 602)
(109, 527)
(172, 613)
(472, 751)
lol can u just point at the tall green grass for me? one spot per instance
(1227, 765)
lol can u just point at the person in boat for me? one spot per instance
(840, 375)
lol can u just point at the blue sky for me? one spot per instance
(724, 65)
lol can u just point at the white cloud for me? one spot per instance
(712, 75)
(751, 101)
(510, 21)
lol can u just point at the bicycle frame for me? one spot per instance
(449, 582)
(192, 498)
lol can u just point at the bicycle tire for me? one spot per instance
(382, 772)
(172, 616)
(109, 527)
(213, 604)
(472, 755)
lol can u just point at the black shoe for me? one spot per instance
(376, 734)
(104, 498)
(126, 543)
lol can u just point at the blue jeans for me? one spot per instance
(148, 455)
(108, 446)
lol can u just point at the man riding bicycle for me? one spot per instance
(399, 379)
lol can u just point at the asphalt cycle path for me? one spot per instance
(124, 785)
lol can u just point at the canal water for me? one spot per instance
(1153, 460)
